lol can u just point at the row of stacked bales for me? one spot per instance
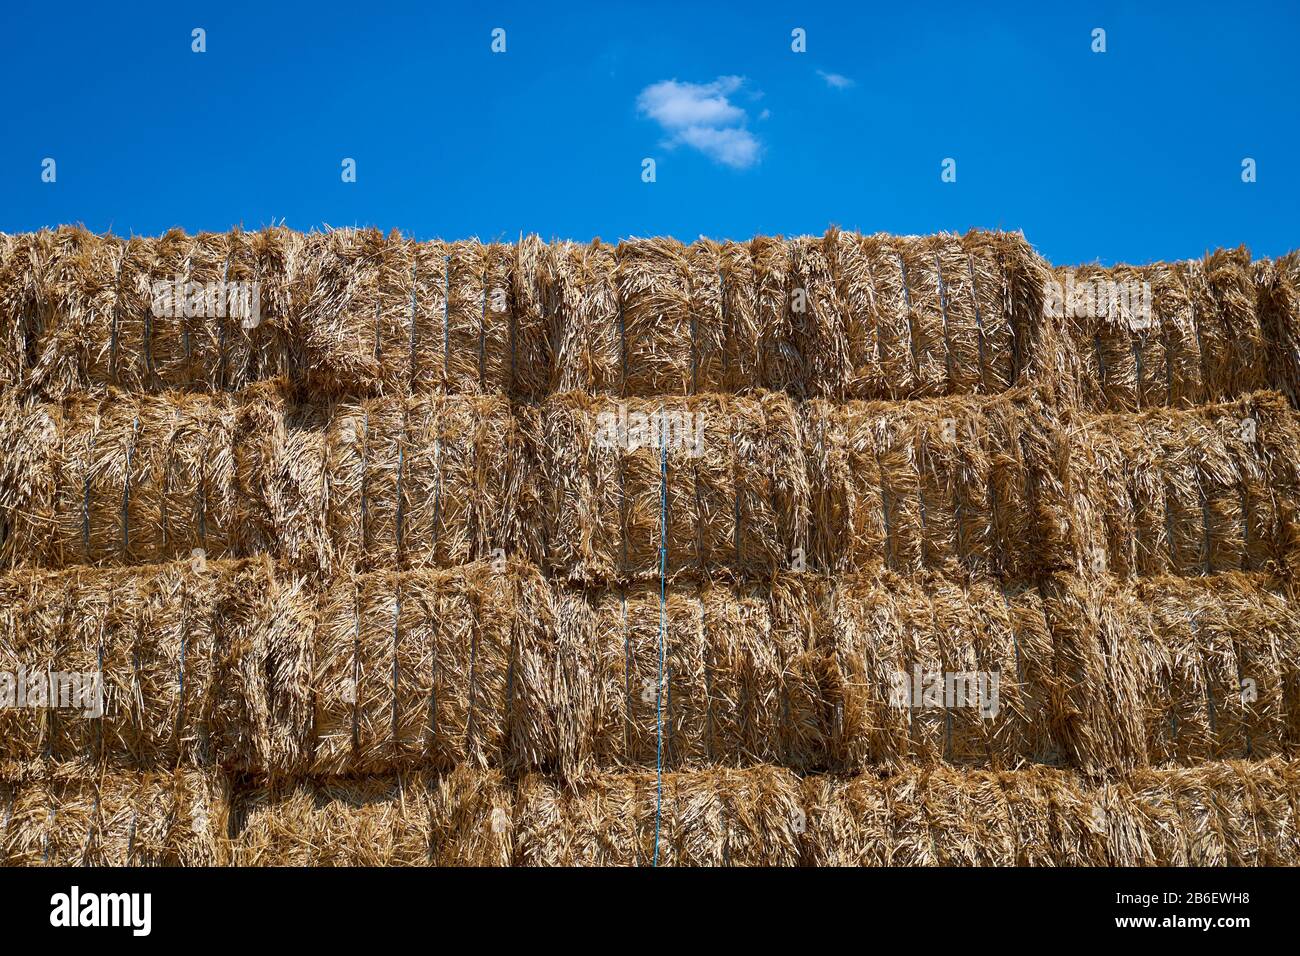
(1008, 486)
(248, 667)
(1216, 814)
(373, 576)
(841, 316)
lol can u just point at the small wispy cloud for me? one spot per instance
(702, 116)
(836, 81)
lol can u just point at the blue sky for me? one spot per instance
(1129, 155)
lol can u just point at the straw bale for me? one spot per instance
(1203, 340)
(1215, 814)
(1171, 670)
(968, 820)
(1008, 280)
(431, 480)
(477, 323)
(24, 261)
(709, 818)
(609, 652)
(780, 365)
(1099, 664)
(1243, 701)
(656, 317)
(124, 479)
(429, 669)
(1052, 823)
(104, 327)
(344, 312)
(800, 672)
(799, 608)
(740, 677)
(847, 822)
(924, 316)
(1189, 492)
(750, 316)
(817, 333)
(77, 816)
(97, 321)
(663, 349)
(28, 473)
(199, 663)
(966, 485)
(737, 495)
(581, 290)
(1278, 283)
(376, 821)
(281, 484)
(473, 819)
(357, 316)
(925, 629)
(146, 635)
(387, 315)
(460, 819)
(260, 707)
(1231, 813)
(533, 309)
(211, 352)
(938, 817)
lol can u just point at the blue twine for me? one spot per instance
(663, 619)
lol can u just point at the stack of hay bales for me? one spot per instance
(462, 553)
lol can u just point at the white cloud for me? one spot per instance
(734, 147)
(702, 116)
(835, 81)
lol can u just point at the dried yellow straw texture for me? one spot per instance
(893, 643)
(912, 317)
(119, 479)
(534, 309)
(127, 479)
(461, 819)
(344, 312)
(1231, 813)
(105, 324)
(1222, 813)
(963, 485)
(389, 315)
(24, 260)
(579, 288)
(737, 492)
(656, 317)
(709, 818)
(77, 816)
(145, 632)
(1171, 334)
(1171, 670)
(1278, 281)
(356, 320)
(434, 480)
(739, 680)
(835, 316)
(260, 708)
(1217, 814)
(1209, 489)
(431, 669)
(28, 469)
(199, 663)
(672, 341)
